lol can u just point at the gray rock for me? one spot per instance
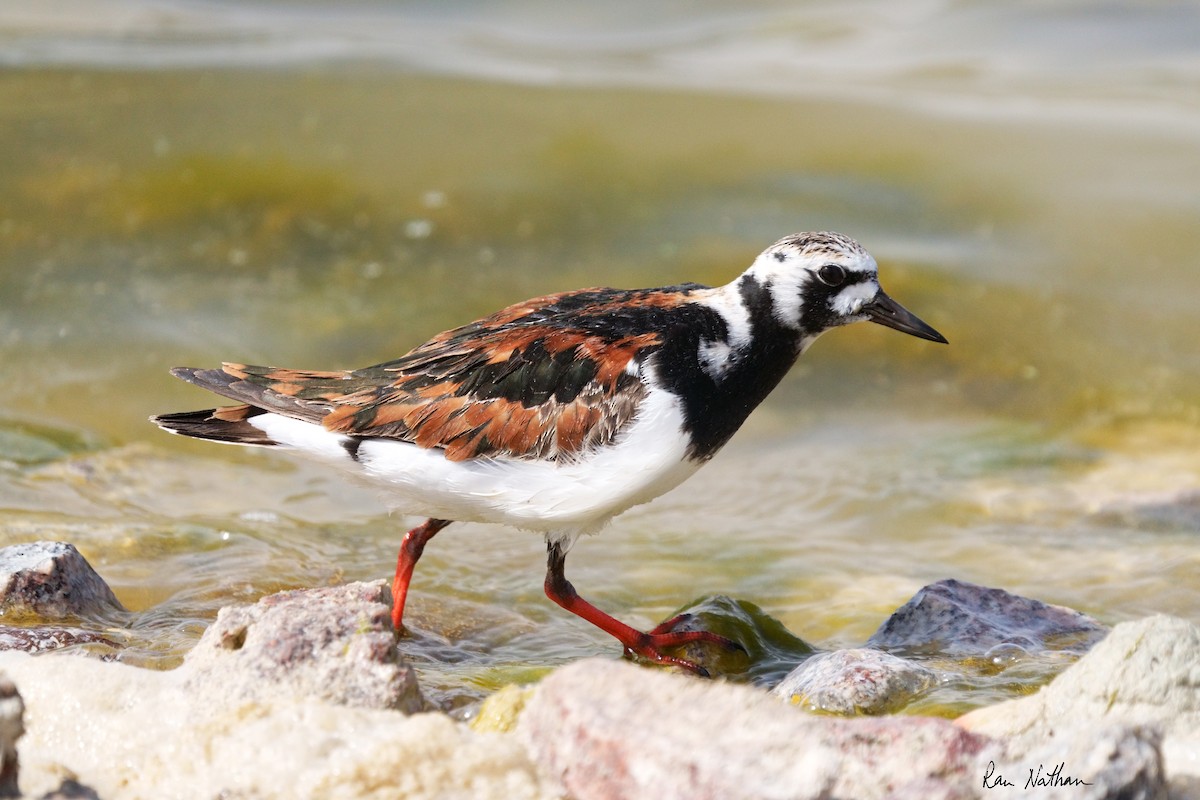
(334, 644)
(12, 728)
(71, 790)
(1145, 674)
(858, 681)
(1178, 513)
(953, 618)
(51, 580)
(609, 730)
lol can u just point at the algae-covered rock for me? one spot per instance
(501, 710)
(768, 648)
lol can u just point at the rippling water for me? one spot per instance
(182, 183)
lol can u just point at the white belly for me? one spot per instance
(569, 498)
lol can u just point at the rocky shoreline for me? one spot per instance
(304, 694)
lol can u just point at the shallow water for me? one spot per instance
(179, 187)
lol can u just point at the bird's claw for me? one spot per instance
(651, 644)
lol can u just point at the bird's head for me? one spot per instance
(819, 281)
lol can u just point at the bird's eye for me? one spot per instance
(832, 275)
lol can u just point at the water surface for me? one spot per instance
(182, 184)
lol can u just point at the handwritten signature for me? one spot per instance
(1037, 778)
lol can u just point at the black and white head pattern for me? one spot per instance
(817, 281)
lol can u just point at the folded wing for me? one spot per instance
(549, 378)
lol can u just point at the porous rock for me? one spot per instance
(51, 580)
(1104, 763)
(856, 681)
(1144, 675)
(952, 617)
(609, 731)
(130, 732)
(335, 644)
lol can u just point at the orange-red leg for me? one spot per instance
(410, 551)
(647, 645)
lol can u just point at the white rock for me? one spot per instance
(133, 733)
(1144, 673)
(857, 681)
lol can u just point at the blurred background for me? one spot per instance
(319, 185)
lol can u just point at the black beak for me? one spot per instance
(888, 312)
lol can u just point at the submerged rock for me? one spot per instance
(955, 618)
(950, 632)
(859, 681)
(334, 644)
(42, 639)
(1145, 676)
(51, 580)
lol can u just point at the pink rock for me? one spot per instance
(613, 731)
(333, 643)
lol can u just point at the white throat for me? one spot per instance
(718, 355)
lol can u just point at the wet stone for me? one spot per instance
(769, 649)
(954, 618)
(43, 639)
(51, 580)
(857, 681)
(72, 790)
(335, 644)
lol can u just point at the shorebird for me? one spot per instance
(558, 413)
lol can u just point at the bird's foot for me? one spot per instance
(650, 645)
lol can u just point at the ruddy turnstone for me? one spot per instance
(558, 413)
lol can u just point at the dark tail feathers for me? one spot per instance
(217, 424)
